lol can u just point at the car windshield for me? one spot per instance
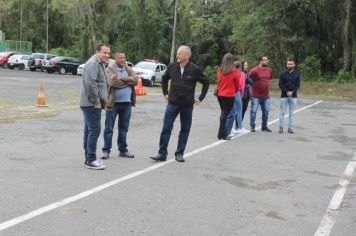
(37, 56)
(145, 65)
(14, 57)
(4, 54)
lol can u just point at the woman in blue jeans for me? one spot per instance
(236, 112)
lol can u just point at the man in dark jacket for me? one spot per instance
(184, 76)
(289, 83)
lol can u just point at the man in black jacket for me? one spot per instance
(184, 76)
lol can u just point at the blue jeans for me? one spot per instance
(123, 110)
(235, 114)
(291, 103)
(265, 105)
(92, 128)
(170, 115)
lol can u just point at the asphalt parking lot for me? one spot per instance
(259, 183)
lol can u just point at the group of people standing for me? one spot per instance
(111, 87)
(234, 93)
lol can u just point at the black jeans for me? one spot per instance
(245, 102)
(171, 114)
(226, 105)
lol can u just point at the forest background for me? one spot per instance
(319, 34)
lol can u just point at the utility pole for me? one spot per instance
(20, 25)
(174, 31)
(47, 29)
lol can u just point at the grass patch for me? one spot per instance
(42, 114)
(329, 90)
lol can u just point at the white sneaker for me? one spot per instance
(235, 131)
(231, 134)
(95, 165)
(242, 131)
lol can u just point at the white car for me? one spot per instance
(18, 61)
(81, 67)
(151, 71)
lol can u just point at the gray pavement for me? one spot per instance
(257, 184)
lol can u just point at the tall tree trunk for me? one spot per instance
(347, 36)
(174, 31)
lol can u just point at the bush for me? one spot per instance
(210, 71)
(65, 52)
(311, 68)
(344, 76)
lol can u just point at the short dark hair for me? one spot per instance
(237, 64)
(118, 52)
(100, 46)
(260, 58)
(291, 59)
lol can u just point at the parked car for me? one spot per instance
(81, 67)
(150, 70)
(63, 65)
(18, 61)
(4, 58)
(39, 60)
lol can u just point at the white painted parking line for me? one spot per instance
(333, 209)
(66, 201)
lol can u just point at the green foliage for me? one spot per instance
(310, 68)
(307, 30)
(65, 52)
(210, 71)
(344, 76)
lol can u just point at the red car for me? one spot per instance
(4, 57)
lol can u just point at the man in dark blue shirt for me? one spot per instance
(289, 83)
(184, 76)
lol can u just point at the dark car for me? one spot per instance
(4, 57)
(38, 60)
(63, 65)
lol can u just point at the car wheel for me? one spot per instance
(21, 66)
(74, 72)
(32, 69)
(11, 67)
(5, 65)
(49, 71)
(62, 70)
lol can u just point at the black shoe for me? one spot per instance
(180, 158)
(266, 129)
(290, 131)
(159, 157)
(280, 130)
(253, 129)
(126, 154)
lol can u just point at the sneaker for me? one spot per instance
(290, 131)
(266, 129)
(235, 131)
(105, 156)
(280, 130)
(242, 131)
(95, 165)
(126, 154)
(253, 129)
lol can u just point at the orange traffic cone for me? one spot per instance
(41, 101)
(139, 90)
